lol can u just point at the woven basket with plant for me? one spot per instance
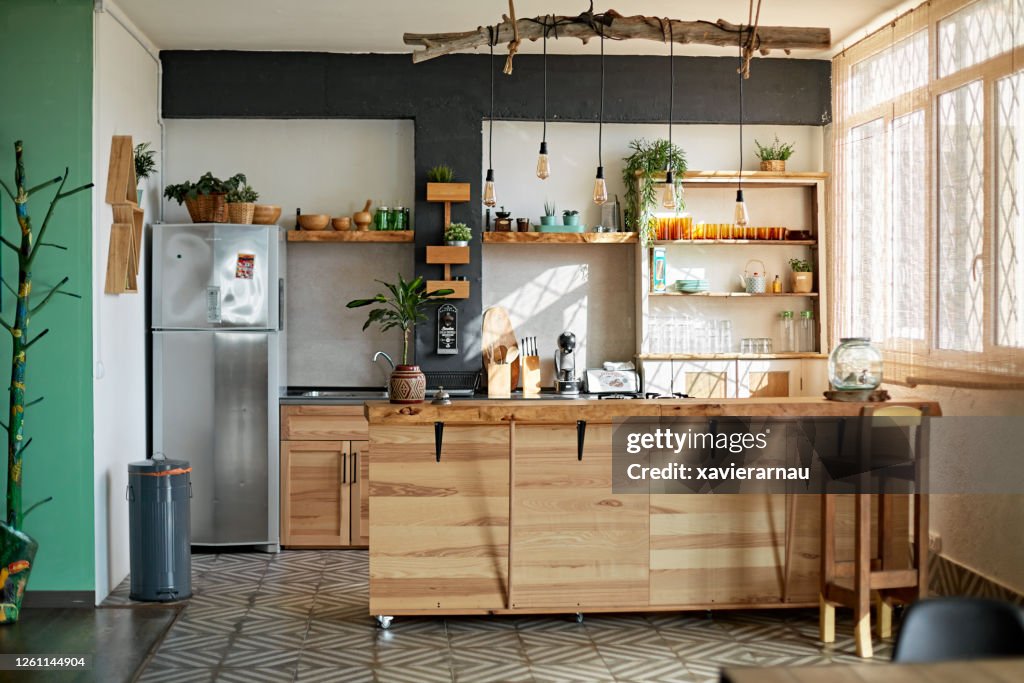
(774, 155)
(205, 199)
(242, 204)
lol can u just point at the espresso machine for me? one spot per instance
(566, 381)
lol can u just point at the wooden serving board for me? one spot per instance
(498, 332)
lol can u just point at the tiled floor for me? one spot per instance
(302, 615)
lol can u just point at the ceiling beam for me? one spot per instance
(617, 27)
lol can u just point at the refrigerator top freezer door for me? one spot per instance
(215, 276)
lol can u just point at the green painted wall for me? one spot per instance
(46, 90)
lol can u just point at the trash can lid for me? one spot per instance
(159, 465)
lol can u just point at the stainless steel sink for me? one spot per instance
(340, 394)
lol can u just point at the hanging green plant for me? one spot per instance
(17, 549)
(649, 160)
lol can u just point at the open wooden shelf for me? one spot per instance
(734, 295)
(350, 235)
(770, 243)
(560, 238)
(730, 356)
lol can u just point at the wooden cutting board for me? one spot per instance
(497, 331)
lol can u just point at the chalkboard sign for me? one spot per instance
(447, 330)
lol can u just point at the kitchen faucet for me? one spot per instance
(376, 357)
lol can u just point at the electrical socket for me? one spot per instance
(934, 543)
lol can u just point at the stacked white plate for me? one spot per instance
(691, 286)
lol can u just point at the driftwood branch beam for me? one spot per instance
(616, 27)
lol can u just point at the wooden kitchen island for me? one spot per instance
(510, 518)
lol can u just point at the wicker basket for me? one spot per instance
(241, 212)
(775, 166)
(208, 208)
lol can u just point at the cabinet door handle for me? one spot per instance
(581, 437)
(355, 467)
(344, 468)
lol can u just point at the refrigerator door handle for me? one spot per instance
(280, 304)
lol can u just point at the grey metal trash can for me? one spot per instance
(158, 520)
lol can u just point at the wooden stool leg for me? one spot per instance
(862, 577)
(826, 620)
(884, 618)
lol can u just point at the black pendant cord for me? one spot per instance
(490, 124)
(600, 121)
(671, 89)
(739, 178)
(544, 134)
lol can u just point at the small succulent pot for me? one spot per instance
(774, 166)
(571, 219)
(456, 243)
(801, 283)
(549, 220)
(407, 385)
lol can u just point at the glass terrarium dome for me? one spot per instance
(855, 365)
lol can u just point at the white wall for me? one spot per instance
(125, 102)
(591, 289)
(323, 166)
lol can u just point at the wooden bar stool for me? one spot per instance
(851, 583)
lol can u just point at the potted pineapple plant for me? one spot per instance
(801, 280)
(403, 306)
(774, 155)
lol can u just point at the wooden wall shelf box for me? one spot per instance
(448, 255)
(460, 287)
(560, 238)
(393, 236)
(448, 192)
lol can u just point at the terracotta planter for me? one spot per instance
(801, 283)
(774, 166)
(17, 553)
(407, 384)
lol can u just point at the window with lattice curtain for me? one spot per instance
(928, 182)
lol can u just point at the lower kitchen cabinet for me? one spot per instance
(325, 497)
(742, 378)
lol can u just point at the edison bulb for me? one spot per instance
(600, 188)
(489, 197)
(668, 199)
(741, 217)
(543, 164)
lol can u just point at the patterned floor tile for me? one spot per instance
(197, 658)
(414, 674)
(559, 655)
(246, 658)
(506, 640)
(283, 674)
(340, 657)
(572, 673)
(269, 641)
(330, 674)
(511, 671)
(560, 638)
(463, 658)
(160, 674)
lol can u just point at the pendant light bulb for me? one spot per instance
(489, 197)
(741, 218)
(543, 164)
(668, 199)
(600, 188)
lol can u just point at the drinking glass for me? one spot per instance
(725, 336)
(747, 345)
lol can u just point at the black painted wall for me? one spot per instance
(449, 97)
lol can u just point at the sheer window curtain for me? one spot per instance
(928, 175)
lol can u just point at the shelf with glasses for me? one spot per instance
(736, 295)
(392, 236)
(559, 238)
(770, 243)
(732, 356)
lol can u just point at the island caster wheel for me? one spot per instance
(579, 617)
(384, 622)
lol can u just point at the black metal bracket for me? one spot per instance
(581, 437)
(438, 439)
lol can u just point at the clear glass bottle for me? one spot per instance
(807, 333)
(786, 336)
(855, 365)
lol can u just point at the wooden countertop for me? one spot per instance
(555, 411)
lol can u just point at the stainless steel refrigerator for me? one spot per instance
(218, 371)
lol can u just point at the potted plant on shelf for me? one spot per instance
(205, 199)
(773, 156)
(801, 280)
(404, 306)
(457, 235)
(570, 217)
(441, 185)
(641, 172)
(242, 204)
(550, 214)
(145, 165)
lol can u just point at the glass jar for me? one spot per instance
(807, 332)
(382, 219)
(855, 365)
(786, 336)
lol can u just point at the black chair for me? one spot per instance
(943, 629)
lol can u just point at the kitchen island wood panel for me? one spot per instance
(511, 520)
(330, 422)
(575, 544)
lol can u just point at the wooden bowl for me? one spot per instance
(341, 223)
(314, 221)
(266, 214)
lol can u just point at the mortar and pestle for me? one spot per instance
(363, 218)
